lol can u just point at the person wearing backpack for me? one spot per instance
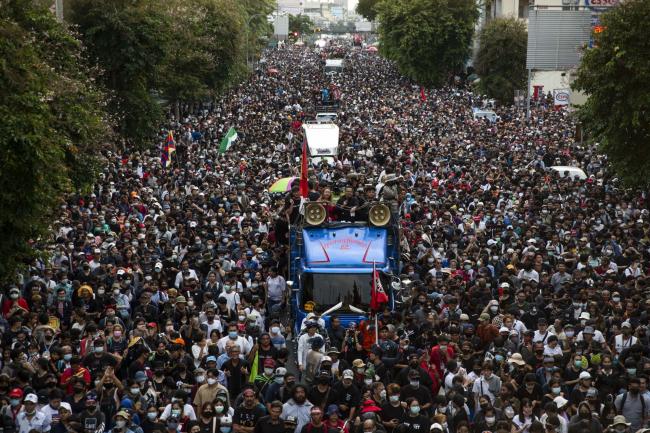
(634, 406)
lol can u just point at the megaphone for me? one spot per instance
(379, 215)
(315, 214)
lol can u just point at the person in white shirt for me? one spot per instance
(185, 273)
(625, 339)
(590, 332)
(552, 347)
(238, 340)
(31, 419)
(188, 409)
(231, 296)
(542, 333)
(304, 344)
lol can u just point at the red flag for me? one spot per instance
(304, 186)
(423, 96)
(378, 296)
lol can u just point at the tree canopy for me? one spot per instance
(180, 51)
(428, 39)
(53, 124)
(368, 9)
(301, 24)
(501, 58)
(615, 76)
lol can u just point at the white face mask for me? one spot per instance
(200, 379)
(211, 380)
(275, 330)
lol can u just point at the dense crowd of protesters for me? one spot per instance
(527, 301)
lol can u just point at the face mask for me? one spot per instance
(556, 390)
(14, 402)
(394, 398)
(490, 420)
(569, 333)
(232, 335)
(120, 424)
(415, 410)
(135, 390)
(279, 379)
(578, 364)
(225, 429)
(116, 292)
(211, 380)
(498, 358)
(494, 308)
(241, 318)
(616, 299)
(631, 371)
(200, 379)
(67, 357)
(219, 409)
(14, 296)
(117, 334)
(152, 415)
(414, 383)
(368, 382)
(275, 330)
(99, 349)
(268, 371)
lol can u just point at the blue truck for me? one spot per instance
(331, 267)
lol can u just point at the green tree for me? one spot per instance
(130, 41)
(615, 74)
(52, 124)
(368, 9)
(428, 39)
(301, 24)
(258, 27)
(501, 59)
(206, 53)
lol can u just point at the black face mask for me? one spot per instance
(323, 381)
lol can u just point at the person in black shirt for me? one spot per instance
(236, 370)
(346, 395)
(392, 412)
(248, 414)
(271, 423)
(319, 393)
(415, 421)
(415, 390)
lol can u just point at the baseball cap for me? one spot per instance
(32, 398)
(435, 426)
(584, 375)
(211, 358)
(66, 406)
(16, 393)
(347, 374)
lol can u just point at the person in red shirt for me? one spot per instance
(441, 353)
(75, 370)
(14, 303)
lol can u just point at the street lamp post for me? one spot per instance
(248, 24)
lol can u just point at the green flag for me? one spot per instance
(254, 367)
(228, 140)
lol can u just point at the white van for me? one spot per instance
(333, 66)
(568, 171)
(322, 141)
(490, 115)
